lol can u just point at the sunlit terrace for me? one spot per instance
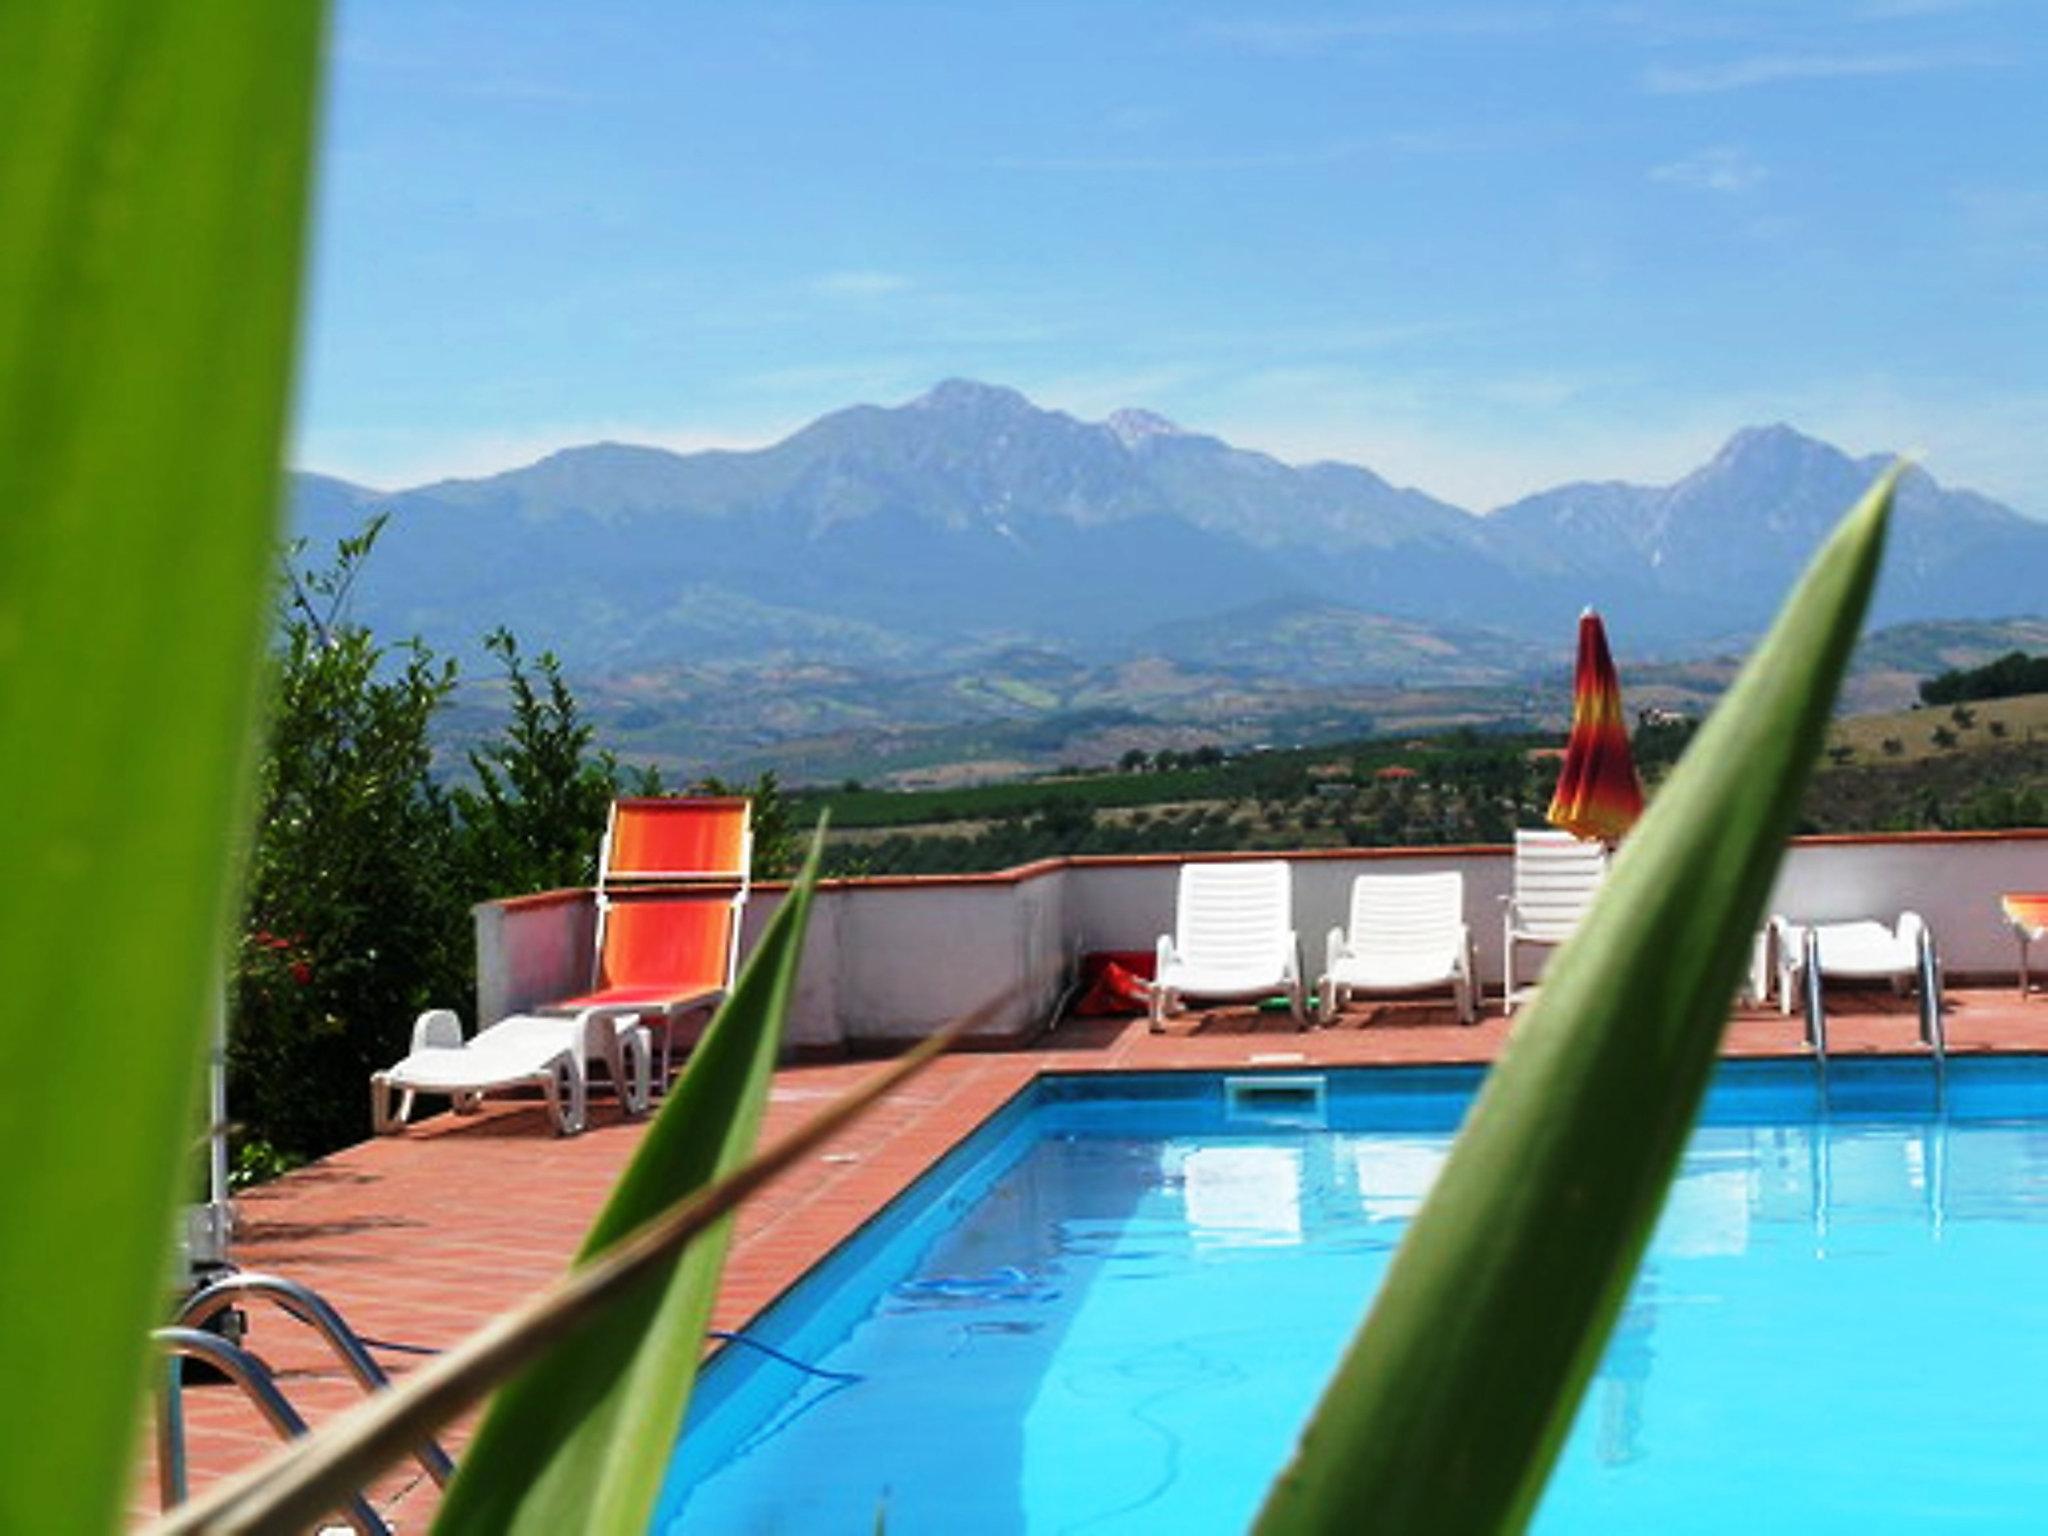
(420, 1238)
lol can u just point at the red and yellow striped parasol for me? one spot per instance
(1598, 794)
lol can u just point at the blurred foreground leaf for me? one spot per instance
(1450, 1406)
(582, 1438)
(152, 200)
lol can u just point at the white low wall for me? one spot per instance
(890, 960)
(533, 949)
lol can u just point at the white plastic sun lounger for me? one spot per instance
(1862, 950)
(1556, 877)
(1408, 934)
(1233, 938)
(524, 1051)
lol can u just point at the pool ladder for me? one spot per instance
(1933, 1031)
(188, 1338)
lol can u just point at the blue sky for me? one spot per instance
(1480, 247)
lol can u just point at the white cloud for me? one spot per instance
(861, 284)
(1889, 10)
(1299, 37)
(391, 460)
(1174, 163)
(1139, 119)
(1723, 168)
(1482, 442)
(2005, 222)
(1773, 68)
(1094, 394)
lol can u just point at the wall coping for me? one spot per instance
(562, 897)
(1039, 868)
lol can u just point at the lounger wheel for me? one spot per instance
(568, 1094)
(636, 1051)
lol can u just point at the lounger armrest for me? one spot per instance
(437, 1029)
(1163, 957)
(1335, 950)
(1911, 926)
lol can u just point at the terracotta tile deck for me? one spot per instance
(421, 1238)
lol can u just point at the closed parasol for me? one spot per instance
(1598, 794)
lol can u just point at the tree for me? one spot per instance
(542, 795)
(1132, 761)
(2012, 674)
(1943, 738)
(354, 922)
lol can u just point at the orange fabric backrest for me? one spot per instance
(700, 836)
(679, 940)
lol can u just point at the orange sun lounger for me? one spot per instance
(672, 880)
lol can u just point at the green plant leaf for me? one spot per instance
(1450, 1405)
(582, 1438)
(152, 195)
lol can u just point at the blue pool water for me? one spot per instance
(1112, 1309)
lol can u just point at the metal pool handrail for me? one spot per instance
(257, 1384)
(1933, 1030)
(311, 1308)
(1816, 1011)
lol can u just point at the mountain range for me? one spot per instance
(933, 539)
(969, 519)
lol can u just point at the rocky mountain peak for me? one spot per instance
(1132, 427)
(1772, 450)
(968, 397)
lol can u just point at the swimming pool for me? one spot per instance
(1112, 1308)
